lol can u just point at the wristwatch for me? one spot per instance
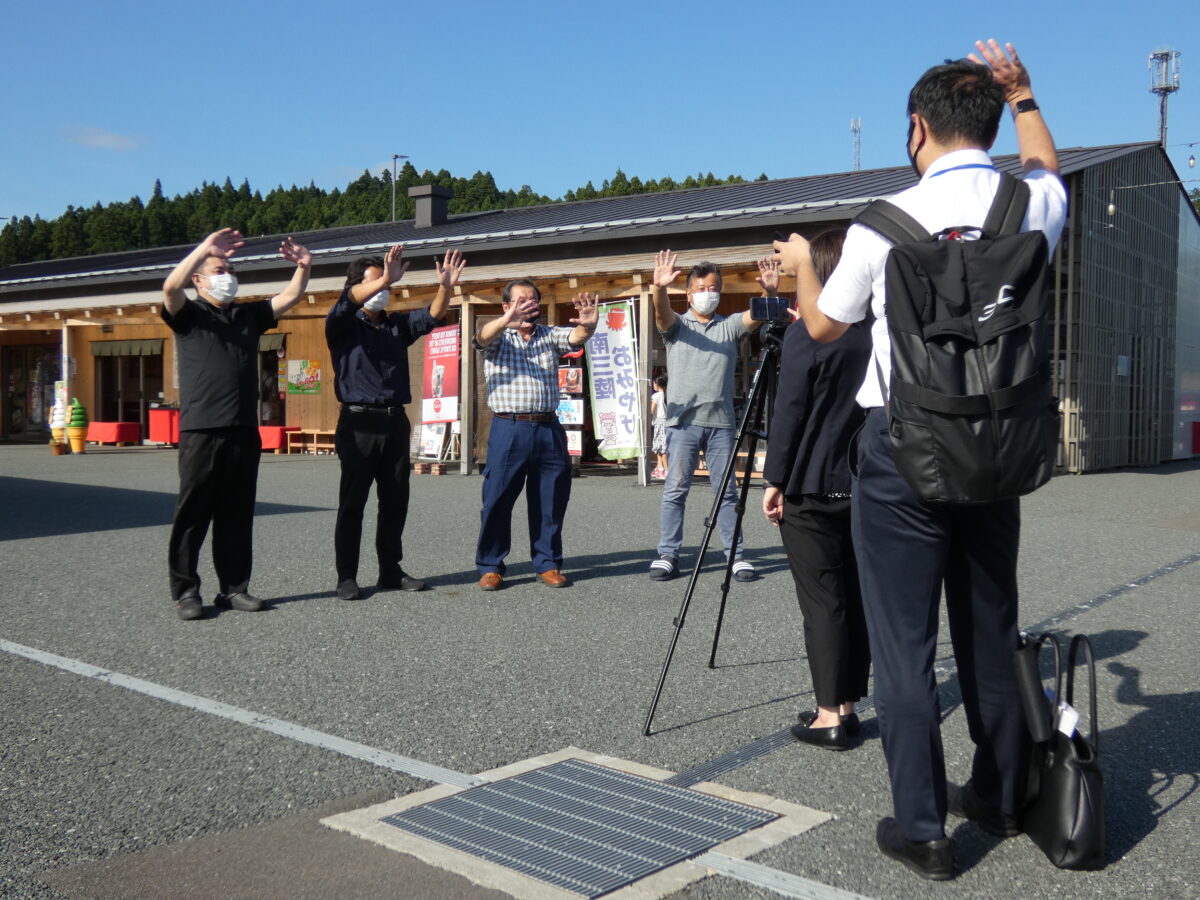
(1027, 105)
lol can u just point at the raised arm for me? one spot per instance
(664, 273)
(448, 274)
(587, 314)
(394, 267)
(795, 259)
(223, 243)
(1034, 142)
(291, 294)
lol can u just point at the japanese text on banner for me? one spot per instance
(612, 367)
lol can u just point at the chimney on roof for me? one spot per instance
(432, 202)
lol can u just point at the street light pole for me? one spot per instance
(395, 156)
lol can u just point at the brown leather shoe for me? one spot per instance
(491, 581)
(553, 578)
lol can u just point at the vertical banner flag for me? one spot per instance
(612, 369)
(439, 393)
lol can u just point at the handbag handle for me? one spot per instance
(1040, 714)
(1080, 640)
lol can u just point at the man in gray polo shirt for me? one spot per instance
(702, 351)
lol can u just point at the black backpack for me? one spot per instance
(971, 405)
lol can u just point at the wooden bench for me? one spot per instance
(303, 441)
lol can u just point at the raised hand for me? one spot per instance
(586, 310)
(664, 268)
(768, 274)
(293, 252)
(792, 253)
(521, 311)
(449, 272)
(1007, 69)
(394, 265)
(223, 243)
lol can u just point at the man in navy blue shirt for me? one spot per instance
(369, 347)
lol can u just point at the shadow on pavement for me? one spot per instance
(35, 508)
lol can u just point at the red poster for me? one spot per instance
(439, 393)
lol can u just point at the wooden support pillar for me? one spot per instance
(65, 363)
(466, 389)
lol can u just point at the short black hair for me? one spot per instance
(358, 269)
(703, 270)
(506, 297)
(961, 101)
(661, 381)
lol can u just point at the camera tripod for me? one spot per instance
(754, 426)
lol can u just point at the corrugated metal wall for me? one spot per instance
(1117, 314)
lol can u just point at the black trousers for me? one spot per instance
(816, 536)
(373, 448)
(907, 551)
(218, 477)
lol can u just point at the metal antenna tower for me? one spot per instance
(1164, 81)
(856, 130)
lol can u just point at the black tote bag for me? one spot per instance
(1065, 815)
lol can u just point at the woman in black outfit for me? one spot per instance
(808, 497)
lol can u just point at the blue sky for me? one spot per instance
(99, 100)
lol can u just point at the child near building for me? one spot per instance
(658, 419)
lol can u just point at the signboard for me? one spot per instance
(570, 412)
(612, 365)
(575, 443)
(433, 438)
(570, 380)
(304, 376)
(439, 391)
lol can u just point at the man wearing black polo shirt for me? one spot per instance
(216, 342)
(369, 347)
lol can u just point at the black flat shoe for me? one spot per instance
(929, 859)
(188, 606)
(240, 601)
(831, 738)
(347, 589)
(399, 580)
(965, 803)
(850, 723)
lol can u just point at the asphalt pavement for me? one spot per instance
(110, 792)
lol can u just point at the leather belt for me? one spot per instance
(373, 408)
(528, 417)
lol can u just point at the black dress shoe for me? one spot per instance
(188, 606)
(832, 737)
(347, 589)
(399, 580)
(965, 803)
(850, 723)
(241, 601)
(929, 859)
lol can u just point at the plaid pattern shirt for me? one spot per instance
(522, 377)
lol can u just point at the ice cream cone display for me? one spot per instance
(58, 421)
(77, 423)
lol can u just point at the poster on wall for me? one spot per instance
(570, 412)
(439, 392)
(433, 439)
(612, 366)
(304, 376)
(575, 442)
(570, 380)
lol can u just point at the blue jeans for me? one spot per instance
(530, 456)
(684, 443)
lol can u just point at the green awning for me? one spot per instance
(270, 341)
(152, 347)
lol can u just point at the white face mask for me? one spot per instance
(378, 303)
(223, 287)
(705, 302)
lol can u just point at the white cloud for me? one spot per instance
(100, 139)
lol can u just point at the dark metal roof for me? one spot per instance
(758, 204)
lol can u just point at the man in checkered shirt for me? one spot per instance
(527, 446)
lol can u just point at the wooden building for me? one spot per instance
(1126, 292)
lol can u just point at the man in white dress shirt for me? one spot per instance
(907, 548)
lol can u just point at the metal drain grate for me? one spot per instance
(581, 827)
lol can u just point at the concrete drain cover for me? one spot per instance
(576, 824)
(583, 827)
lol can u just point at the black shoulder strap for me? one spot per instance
(892, 223)
(1008, 208)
